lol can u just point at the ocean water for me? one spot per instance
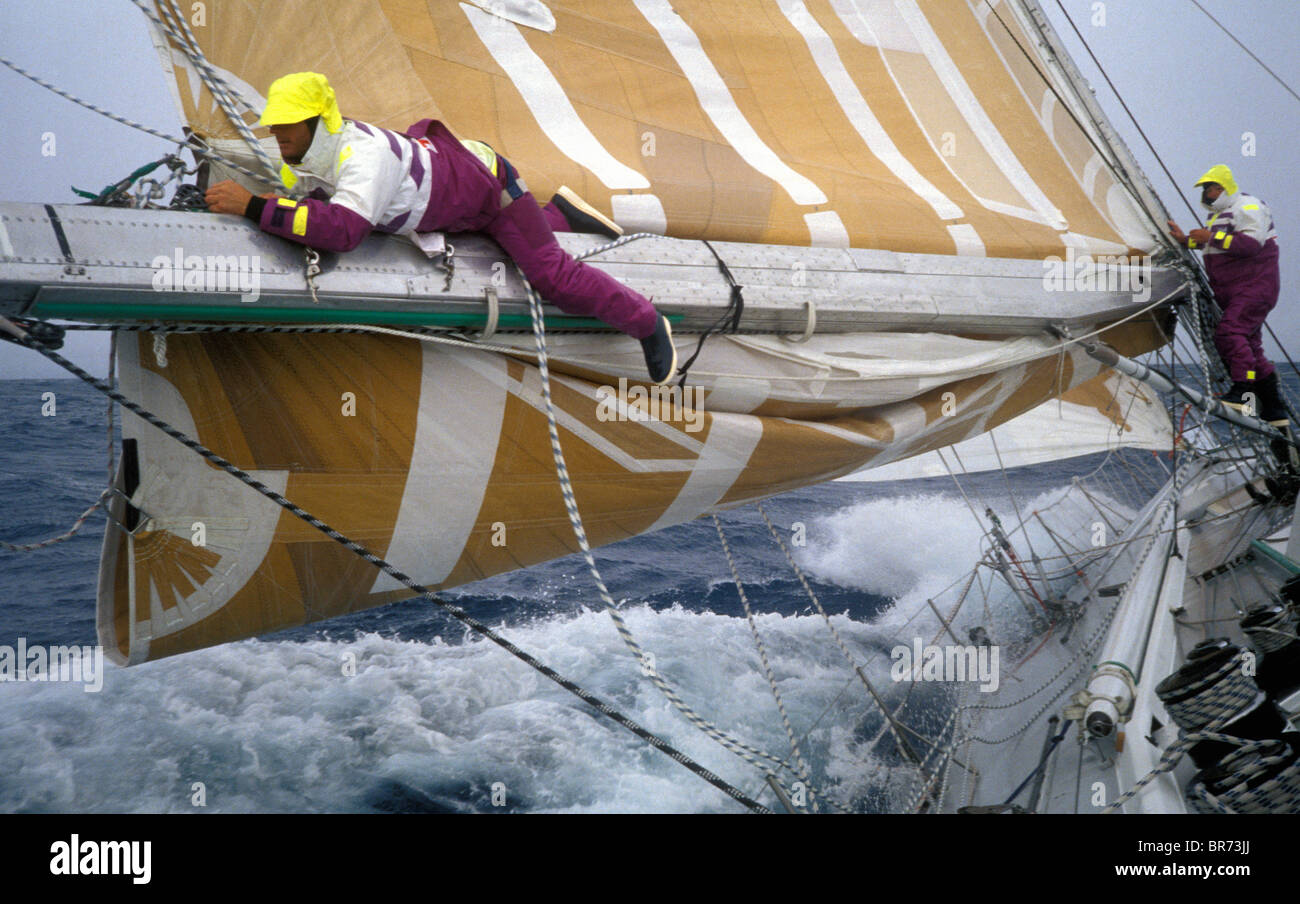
(435, 720)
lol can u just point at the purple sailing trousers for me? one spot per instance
(466, 197)
(1246, 290)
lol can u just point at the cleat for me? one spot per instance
(660, 353)
(581, 216)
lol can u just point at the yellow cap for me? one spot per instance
(300, 96)
(1221, 175)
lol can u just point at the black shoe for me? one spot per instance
(1272, 408)
(660, 353)
(581, 216)
(1242, 396)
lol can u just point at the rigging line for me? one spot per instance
(1107, 153)
(767, 667)
(1277, 78)
(424, 592)
(839, 641)
(199, 149)
(216, 85)
(1123, 104)
(745, 751)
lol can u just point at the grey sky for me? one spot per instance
(1194, 92)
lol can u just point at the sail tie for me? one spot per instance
(735, 307)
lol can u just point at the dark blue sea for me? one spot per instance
(434, 720)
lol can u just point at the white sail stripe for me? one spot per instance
(826, 230)
(1046, 107)
(716, 100)
(731, 442)
(975, 115)
(532, 395)
(1045, 116)
(639, 213)
(450, 380)
(858, 111)
(857, 439)
(1092, 244)
(548, 103)
(860, 27)
(6, 248)
(1095, 164)
(663, 430)
(967, 240)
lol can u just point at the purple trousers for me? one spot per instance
(1239, 337)
(466, 197)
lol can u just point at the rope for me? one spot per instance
(423, 592)
(194, 144)
(735, 307)
(1259, 777)
(767, 668)
(739, 748)
(221, 91)
(1277, 78)
(66, 535)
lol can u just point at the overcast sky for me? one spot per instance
(1194, 92)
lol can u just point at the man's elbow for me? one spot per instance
(344, 234)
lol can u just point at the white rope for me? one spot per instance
(745, 751)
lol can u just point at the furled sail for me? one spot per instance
(935, 126)
(923, 127)
(1107, 413)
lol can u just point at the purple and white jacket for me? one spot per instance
(365, 178)
(1242, 257)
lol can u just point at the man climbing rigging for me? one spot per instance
(1241, 261)
(357, 177)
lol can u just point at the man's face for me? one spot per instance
(1210, 192)
(294, 139)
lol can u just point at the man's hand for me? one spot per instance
(1176, 233)
(1200, 236)
(228, 197)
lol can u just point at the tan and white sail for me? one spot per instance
(925, 127)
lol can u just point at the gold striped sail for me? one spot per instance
(908, 125)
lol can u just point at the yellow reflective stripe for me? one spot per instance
(286, 202)
(300, 220)
(482, 152)
(287, 176)
(1250, 375)
(345, 154)
(1220, 234)
(1213, 217)
(1250, 207)
(1226, 242)
(1191, 243)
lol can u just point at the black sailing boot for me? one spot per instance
(660, 353)
(1242, 396)
(1271, 406)
(581, 216)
